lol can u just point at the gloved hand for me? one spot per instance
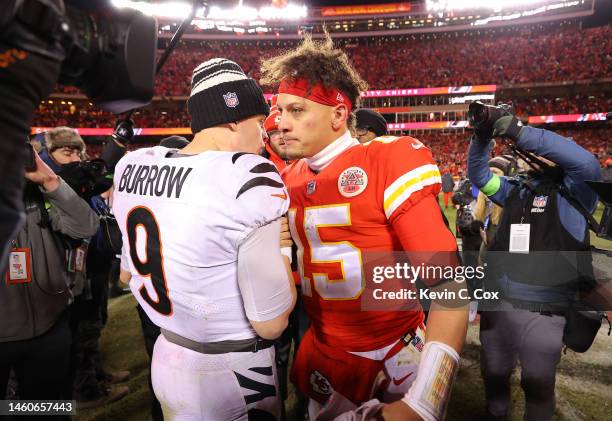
(124, 131)
(483, 133)
(508, 126)
(476, 226)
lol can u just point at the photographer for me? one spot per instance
(64, 152)
(534, 260)
(35, 335)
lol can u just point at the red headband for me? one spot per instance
(317, 92)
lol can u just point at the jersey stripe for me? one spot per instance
(262, 168)
(258, 181)
(413, 181)
(386, 139)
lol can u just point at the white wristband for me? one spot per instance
(430, 392)
(286, 251)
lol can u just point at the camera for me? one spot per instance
(108, 53)
(87, 178)
(30, 161)
(482, 116)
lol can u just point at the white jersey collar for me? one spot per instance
(324, 157)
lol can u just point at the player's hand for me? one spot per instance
(398, 411)
(43, 175)
(124, 132)
(285, 235)
(125, 276)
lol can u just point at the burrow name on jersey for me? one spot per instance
(153, 180)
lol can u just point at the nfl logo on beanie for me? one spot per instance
(231, 99)
(222, 93)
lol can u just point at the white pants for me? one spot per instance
(233, 386)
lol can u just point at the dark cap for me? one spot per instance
(371, 120)
(174, 142)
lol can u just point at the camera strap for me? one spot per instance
(593, 224)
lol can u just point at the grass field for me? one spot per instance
(584, 381)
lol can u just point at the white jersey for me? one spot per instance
(183, 219)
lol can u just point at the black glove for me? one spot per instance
(483, 133)
(476, 226)
(508, 126)
(124, 131)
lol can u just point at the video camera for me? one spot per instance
(482, 117)
(109, 53)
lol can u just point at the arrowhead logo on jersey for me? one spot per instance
(352, 181)
(231, 99)
(311, 187)
(320, 384)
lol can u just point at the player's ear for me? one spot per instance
(233, 126)
(340, 115)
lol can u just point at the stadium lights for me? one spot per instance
(470, 98)
(177, 10)
(526, 13)
(289, 12)
(496, 6)
(166, 10)
(240, 12)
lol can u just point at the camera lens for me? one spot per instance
(477, 113)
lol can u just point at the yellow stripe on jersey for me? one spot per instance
(413, 181)
(385, 139)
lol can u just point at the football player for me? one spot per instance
(274, 144)
(349, 199)
(201, 232)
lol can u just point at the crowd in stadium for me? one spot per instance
(550, 105)
(565, 54)
(61, 113)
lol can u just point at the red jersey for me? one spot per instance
(278, 162)
(346, 209)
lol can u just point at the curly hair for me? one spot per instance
(317, 62)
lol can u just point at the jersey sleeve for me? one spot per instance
(260, 196)
(410, 174)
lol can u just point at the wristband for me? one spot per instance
(430, 392)
(286, 251)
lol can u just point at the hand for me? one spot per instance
(43, 175)
(124, 132)
(285, 235)
(483, 134)
(483, 236)
(124, 276)
(476, 226)
(508, 126)
(398, 411)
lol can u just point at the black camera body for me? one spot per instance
(482, 116)
(109, 54)
(87, 178)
